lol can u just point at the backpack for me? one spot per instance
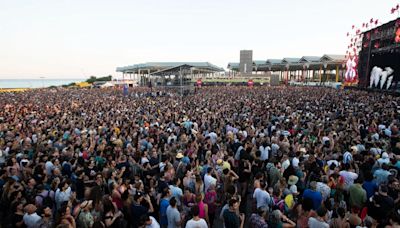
(47, 201)
(277, 203)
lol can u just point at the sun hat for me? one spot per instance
(293, 180)
(179, 156)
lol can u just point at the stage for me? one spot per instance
(379, 59)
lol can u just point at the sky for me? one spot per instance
(80, 38)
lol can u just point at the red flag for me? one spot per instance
(364, 213)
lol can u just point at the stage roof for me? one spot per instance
(290, 60)
(199, 67)
(312, 62)
(310, 59)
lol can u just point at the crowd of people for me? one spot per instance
(222, 157)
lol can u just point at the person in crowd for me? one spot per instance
(231, 218)
(85, 217)
(173, 215)
(196, 221)
(31, 218)
(278, 219)
(260, 218)
(357, 195)
(164, 203)
(261, 195)
(64, 216)
(314, 195)
(320, 220)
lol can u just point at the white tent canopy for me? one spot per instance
(106, 85)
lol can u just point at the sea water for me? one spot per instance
(35, 83)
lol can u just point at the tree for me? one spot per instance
(100, 79)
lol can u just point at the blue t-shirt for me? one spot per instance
(315, 196)
(370, 187)
(164, 203)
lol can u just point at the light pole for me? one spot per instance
(181, 75)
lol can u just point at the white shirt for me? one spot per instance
(213, 137)
(314, 223)
(376, 151)
(330, 162)
(154, 223)
(295, 162)
(274, 148)
(262, 197)
(144, 160)
(285, 164)
(31, 220)
(62, 196)
(244, 134)
(349, 178)
(162, 166)
(208, 180)
(324, 189)
(381, 127)
(170, 138)
(383, 160)
(196, 224)
(264, 152)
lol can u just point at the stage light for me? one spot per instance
(397, 36)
